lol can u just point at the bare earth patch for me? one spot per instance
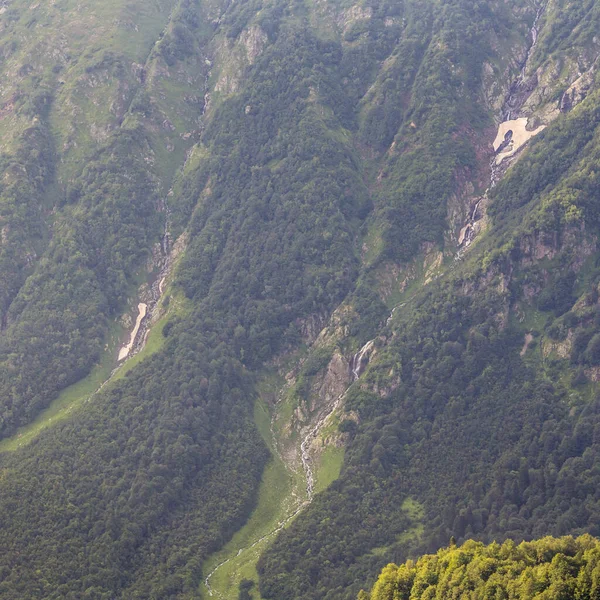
(528, 340)
(520, 135)
(125, 350)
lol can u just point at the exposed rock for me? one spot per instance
(542, 87)
(167, 125)
(99, 134)
(338, 327)
(254, 40)
(537, 246)
(392, 382)
(593, 374)
(310, 327)
(145, 293)
(458, 207)
(495, 80)
(482, 281)
(393, 277)
(331, 384)
(228, 83)
(530, 291)
(354, 14)
(431, 264)
(166, 270)
(155, 259)
(581, 243)
(352, 415)
(235, 57)
(561, 349)
(577, 91)
(138, 71)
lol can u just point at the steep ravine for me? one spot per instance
(281, 497)
(237, 560)
(115, 357)
(513, 133)
(290, 480)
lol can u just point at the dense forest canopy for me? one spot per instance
(344, 281)
(557, 568)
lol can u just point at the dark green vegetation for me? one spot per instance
(495, 436)
(149, 466)
(58, 321)
(339, 143)
(557, 568)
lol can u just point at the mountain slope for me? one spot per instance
(272, 180)
(547, 568)
(477, 405)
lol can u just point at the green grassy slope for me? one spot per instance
(89, 151)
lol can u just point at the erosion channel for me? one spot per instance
(287, 487)
(294, 475)
(118, 356)
(290, 481)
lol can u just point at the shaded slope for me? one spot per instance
(149, 506)
(491, 440)
(84, 170)
(334, 143)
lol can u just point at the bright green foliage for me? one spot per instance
(564, 568)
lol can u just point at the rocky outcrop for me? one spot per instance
(394, 278)
(578, 90)
(235, 57)
(310, 327)
(254, 39)
(537, 246)
(593, 374)
(331, 384)
(562, 349)
(353, 15)
(338, 327)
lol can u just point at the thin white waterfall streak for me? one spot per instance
(358, 359)
(513, 101)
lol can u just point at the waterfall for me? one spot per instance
(358, 359)
(312, 434)
(512, 104)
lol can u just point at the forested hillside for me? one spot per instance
(548, 568)
(291, 290)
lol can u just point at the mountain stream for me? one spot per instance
(512, 135)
